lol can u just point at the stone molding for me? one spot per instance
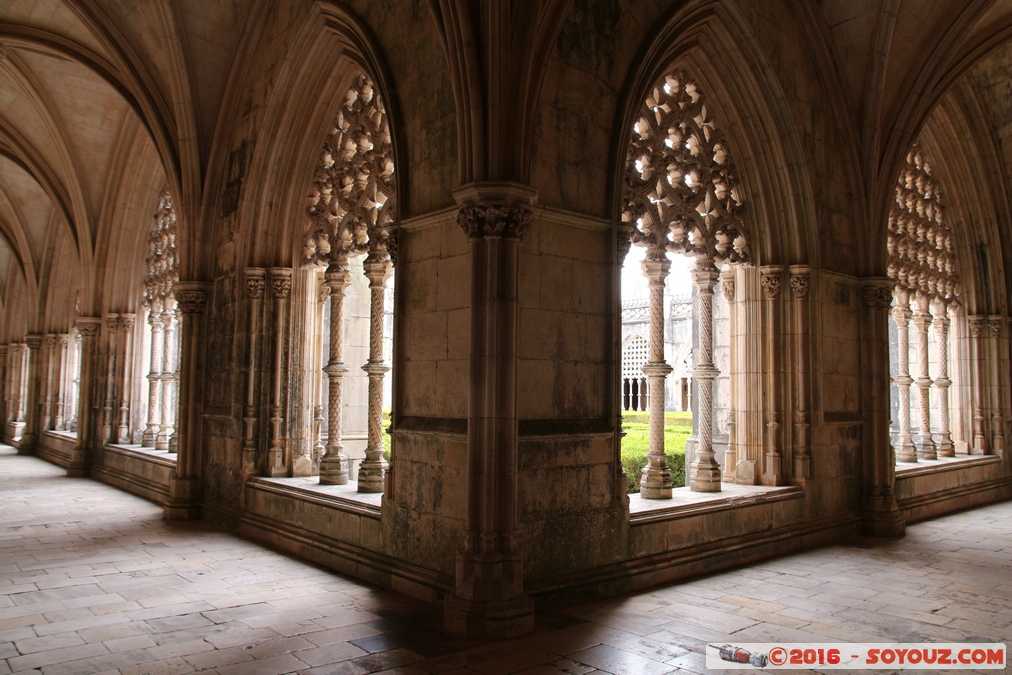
(800, 280)
(281, 282)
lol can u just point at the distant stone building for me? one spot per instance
(677, 350)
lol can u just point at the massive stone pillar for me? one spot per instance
(184, 500)
(111, 342)
(906, 452)
(942, 381)
(879, 510)
(705, 472)
(489, 600)
(656, 482)
(373, 467)
(50, 383)
(19, 352)
(334, 465)
(89, 394)
(800, 284)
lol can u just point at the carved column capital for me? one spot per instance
(191, 296)
(127, 321)
(507, 222)
(976, 325)
(50, 341)
(876, 297)
(495, 209)
(111, 323)
(771, 279)
(3, 351)
(88, 326)
(801, 280)
(338, 276)
(63, 339)
(281, 282)
(255, 282)
(994, 325)
(705, 276)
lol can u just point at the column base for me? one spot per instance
(656, 483)
(490, 620)
(27, 444)
(184, 502)
(371, 476)
(80, 462)
(927, 451)
(881, 516)
(705, 477)
(334, 471)
(907, 452)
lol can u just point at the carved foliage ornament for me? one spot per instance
(254, 287)
(192, 301)
(510, 222)
(681, 193)
(771, 281)
(163, 260)
(351, 205)
(921, 253)
(878, 297)
(800, 284)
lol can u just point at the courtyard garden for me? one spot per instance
(636, 444)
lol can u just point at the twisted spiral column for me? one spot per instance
(373, 467)
(656, 482)
(167, 378)
(60, 395)
(334, 465)
(154, 374)
(922, 321)
(705, 472)
(942, 382)
(901, 315)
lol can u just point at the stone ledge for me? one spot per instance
(924, 466)
(342, 497)
(686, 503)
(161, 457)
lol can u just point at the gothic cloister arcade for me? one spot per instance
(227, 228)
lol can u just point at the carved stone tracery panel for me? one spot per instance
(162, 260)
(351, 206)
(681, 192)
(922, 257)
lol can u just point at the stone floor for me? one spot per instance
(93, 581)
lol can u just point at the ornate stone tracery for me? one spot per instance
(921, 258)
(162, 260)
(351, 205)
(681, 192)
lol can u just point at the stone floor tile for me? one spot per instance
(560, 667)
(54, 656)
(215, 658)
(340, 651)
(275, 665)
(620, 662)
(342, 668)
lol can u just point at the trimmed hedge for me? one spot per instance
(636, 444)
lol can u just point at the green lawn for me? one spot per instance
(636, 444)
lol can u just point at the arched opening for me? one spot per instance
(681, 195)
